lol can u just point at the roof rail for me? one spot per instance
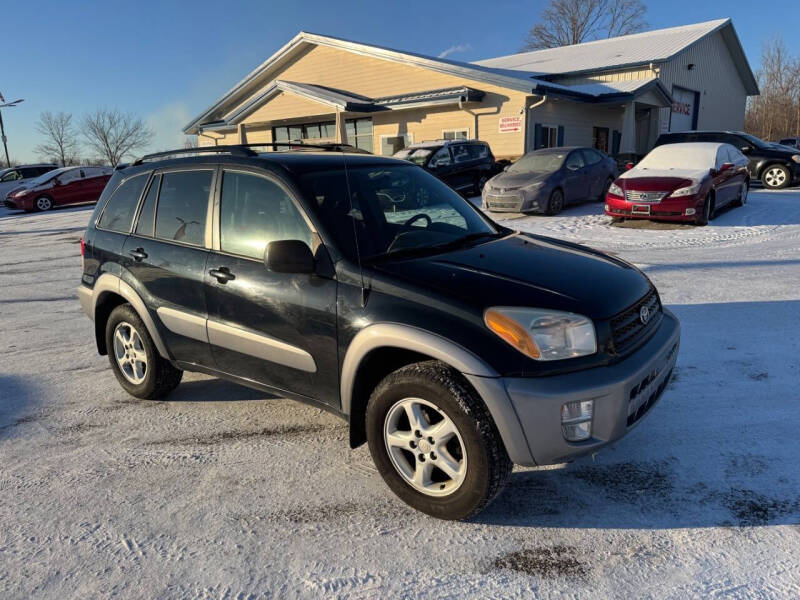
(244, 149)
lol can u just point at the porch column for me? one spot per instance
(242, 134)
(341, 129)
(627, 144)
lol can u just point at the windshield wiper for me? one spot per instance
(434, 249)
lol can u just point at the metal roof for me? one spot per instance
(624, 51)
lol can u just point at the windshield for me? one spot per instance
(393, 210)
(753, 140)
(416, 155)
(538, 162)
(693, 157)
(46, 177)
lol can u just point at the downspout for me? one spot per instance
(201, 134)
(527, 120)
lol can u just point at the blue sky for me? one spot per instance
(167, 61)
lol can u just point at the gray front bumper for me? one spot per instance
(623, 393)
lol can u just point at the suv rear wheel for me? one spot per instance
(135, 360)
(434, 442)
(775, 177)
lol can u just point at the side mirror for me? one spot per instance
(573, 167)
(746, 149)
(506, 168)
(628, 166)
(289, 256)
(56, 182)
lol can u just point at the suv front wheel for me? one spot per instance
(134, 358)
(434, 442)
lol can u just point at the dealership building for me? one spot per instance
(616, 94)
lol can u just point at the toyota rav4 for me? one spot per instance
(454, 347)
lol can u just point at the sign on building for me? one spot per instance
(684, 109)
(510, 124)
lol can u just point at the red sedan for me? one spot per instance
(69, 185)
(681, 182)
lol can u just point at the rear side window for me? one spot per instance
(460, 153)
(147, 216)
(118, 214)
(182, 206)
(255, 211)
(478, 151)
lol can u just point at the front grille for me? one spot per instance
(627, 328)
(643, 396)
(652, 213)
(503, 203)
(634, 196)
(9, 204)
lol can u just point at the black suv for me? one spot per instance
(776, 166)
(463, 165)
(363, 285)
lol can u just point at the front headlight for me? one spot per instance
(615, 190)
(690, 190)
(543, 334)
(19, 193)
(796, 158)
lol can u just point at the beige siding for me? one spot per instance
(722, 93)
(620, 75)
(372, 77)
(231, 137)
(578, 119)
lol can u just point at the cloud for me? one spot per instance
(454, 49)
(166, 124)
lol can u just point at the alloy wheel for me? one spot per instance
(774, 177)
(130, 353)
(425, 447)
(44, 203)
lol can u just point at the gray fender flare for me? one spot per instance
(111, 283)
(481, 376)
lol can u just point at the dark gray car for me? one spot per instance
(547, 180)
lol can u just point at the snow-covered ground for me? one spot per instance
(223, 492)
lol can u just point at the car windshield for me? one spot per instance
(538, 162)
(416, 155)
(688, 156)
(46, 177)
(753, 140)
(395, 211)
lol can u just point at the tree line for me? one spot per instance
(776, 112)
(109, 134)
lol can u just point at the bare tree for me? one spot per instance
(61, 139)
(567, 22)
(114, 134)
(190, 142)
(775, 113)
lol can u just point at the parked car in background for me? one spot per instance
(13, 177)
(775, 165)
(547, 180)
(465, 165)
(68, 185)
(792, 142)
(452, 346)
(681, 182)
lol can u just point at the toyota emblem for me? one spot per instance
(644, 315)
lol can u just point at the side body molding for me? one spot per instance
(111, 283)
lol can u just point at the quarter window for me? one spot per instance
(255, 211)
(146, 223)
(118, 214)
(182, 206)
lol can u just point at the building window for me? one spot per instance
(394, 143)
(549, 136)
(600, 138)
(455, 134)
(359, 133)
(324, 131)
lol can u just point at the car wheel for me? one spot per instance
(775, 177)
(135, 360)
(604, 191)
(741, 200)
(555, 203)
(434, 442)
(43, 203)
(704, 217)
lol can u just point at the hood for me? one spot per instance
(661, 180)
(511, 181)
(528, 270)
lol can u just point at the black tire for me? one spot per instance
(488, 466)
(705, 216)
(43, 203)
(604, 191)
(160, 377)
(555, 203)
(741, 199)
(776, 177)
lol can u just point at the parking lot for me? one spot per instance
(224, 492)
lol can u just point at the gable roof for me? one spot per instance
(625, 51)
(265, 72)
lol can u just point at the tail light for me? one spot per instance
(83, 251)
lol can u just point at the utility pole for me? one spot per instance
(2, 129)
